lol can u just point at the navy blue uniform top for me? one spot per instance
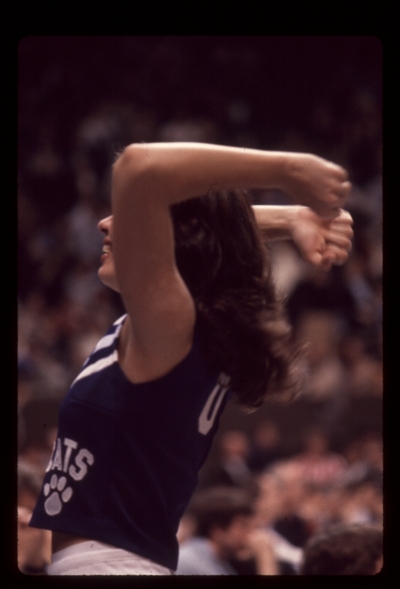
(126, 459)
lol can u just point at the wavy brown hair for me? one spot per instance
(222, 258)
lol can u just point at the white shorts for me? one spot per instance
(96, 558)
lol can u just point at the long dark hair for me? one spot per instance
(222, 258)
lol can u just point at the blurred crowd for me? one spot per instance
(330, 471)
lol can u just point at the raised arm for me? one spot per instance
(192, 169)
(146, 180)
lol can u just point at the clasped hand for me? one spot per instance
(317, 183)
(323, 242)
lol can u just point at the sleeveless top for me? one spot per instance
(126, 459)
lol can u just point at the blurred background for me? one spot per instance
(81, 100)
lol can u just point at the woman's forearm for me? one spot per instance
(178, 171)
(275, 221)
(173, 172)
(321, 242)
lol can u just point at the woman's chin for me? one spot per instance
(107, 278)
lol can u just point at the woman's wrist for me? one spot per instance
(277, 222)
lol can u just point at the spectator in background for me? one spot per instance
(98, 135)
(366, 290)
(289, 522)
(326, 292)
(226, 541)
(317, 465)
(364, 371)
(344, 549)
(364, 456)
(37, 449)
(48, 250)
(29, 484)
(33, 545)
(324, 390)
(27, 226)
(270, 507)
(81, 284)
(353, 503)
(82, 234)
(187, 527)
(266, 446)
(231, 467)
(361, 502)
(47, 172)
(320, 507)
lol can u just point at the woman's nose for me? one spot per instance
(105, 224)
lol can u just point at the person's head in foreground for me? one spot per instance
(344, 549)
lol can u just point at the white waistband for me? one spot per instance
(96, 558)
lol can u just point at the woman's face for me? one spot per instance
(106, 271)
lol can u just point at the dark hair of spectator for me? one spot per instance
(344, 549)
(217, 507)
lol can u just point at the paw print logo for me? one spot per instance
(57, 494)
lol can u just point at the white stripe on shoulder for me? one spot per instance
(121, 319)
(108, 340)
(97, 366)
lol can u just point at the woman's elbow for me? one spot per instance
(131, 169)
(133, 157)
